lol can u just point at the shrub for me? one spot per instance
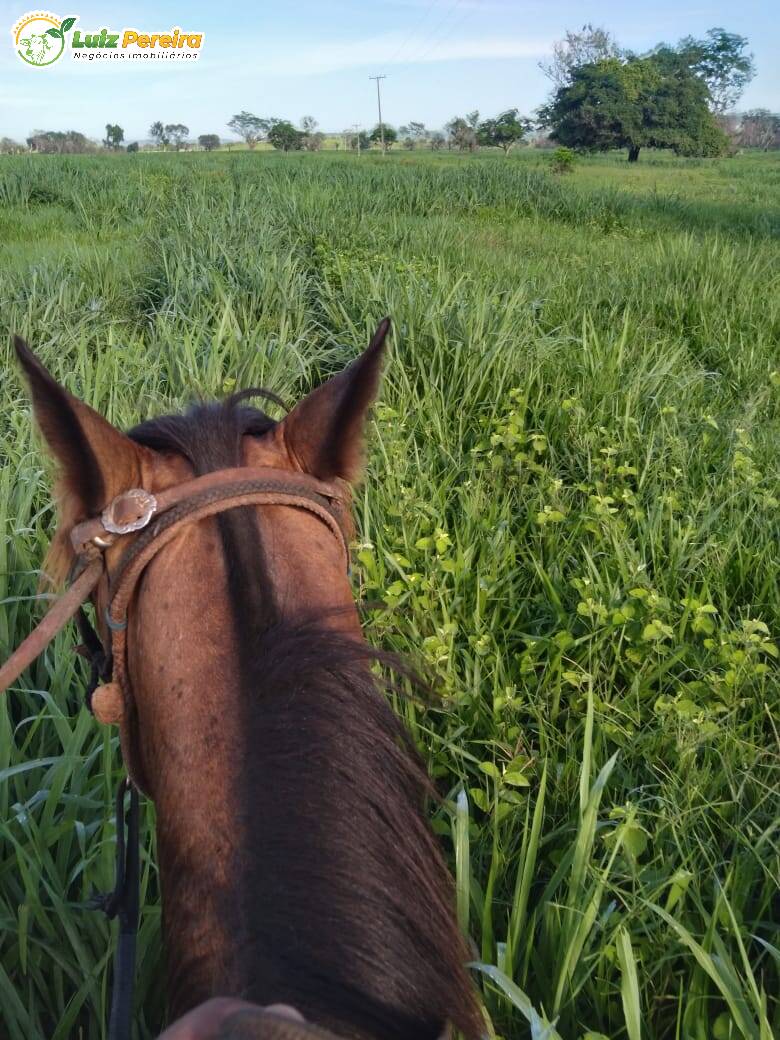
(563, 160)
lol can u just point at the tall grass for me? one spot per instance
(571, 514)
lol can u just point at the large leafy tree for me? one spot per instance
(506, 129)
(655, 102)
(390, 135)
(285, 137)
(722, 61)
(209, 142)
(250, 127)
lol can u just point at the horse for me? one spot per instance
(297, 865)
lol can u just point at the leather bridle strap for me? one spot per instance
(208, 501)
(159, 517)
(134, 509)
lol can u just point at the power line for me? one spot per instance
(417, 25)
(431, 40)
(448, 35)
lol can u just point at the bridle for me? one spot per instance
(154, 520)
(159, 517)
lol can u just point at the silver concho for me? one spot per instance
(143, 502)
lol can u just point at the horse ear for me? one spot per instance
(324, 431)
(97, 461)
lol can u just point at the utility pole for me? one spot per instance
(356, 128)
(379, 107)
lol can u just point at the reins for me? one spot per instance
(124, 904)
(154, 519)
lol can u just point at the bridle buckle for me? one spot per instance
(130, 511)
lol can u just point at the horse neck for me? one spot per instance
(296, 863)
(199, 844)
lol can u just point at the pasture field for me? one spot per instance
(571, 514)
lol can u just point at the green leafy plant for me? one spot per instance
(563, 160)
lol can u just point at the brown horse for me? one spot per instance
(296, 862)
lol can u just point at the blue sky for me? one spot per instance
(441, 57)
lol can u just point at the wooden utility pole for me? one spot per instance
(379, 107)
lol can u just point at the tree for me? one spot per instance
(314, 141)
(209, 142)
(412, 133)
(158, 134)
(285, 137)
(589, 45)
(654, 102)
(312, 138)
(58, 142)
(760, 129)
(114, 136)
(503, 131)
(390, 133)
(250, 127)
(461, 134)
(437, 140)
(177, 134)
(9, 146)
(722, 62)
(360, 140)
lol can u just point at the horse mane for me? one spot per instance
(345, 907)
(350, 911)
(208, 433)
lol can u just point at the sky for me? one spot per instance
(302, 57)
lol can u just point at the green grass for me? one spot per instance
(571, 514)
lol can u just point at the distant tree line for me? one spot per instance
(280, 133)
(59, 142)
(678, 97)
